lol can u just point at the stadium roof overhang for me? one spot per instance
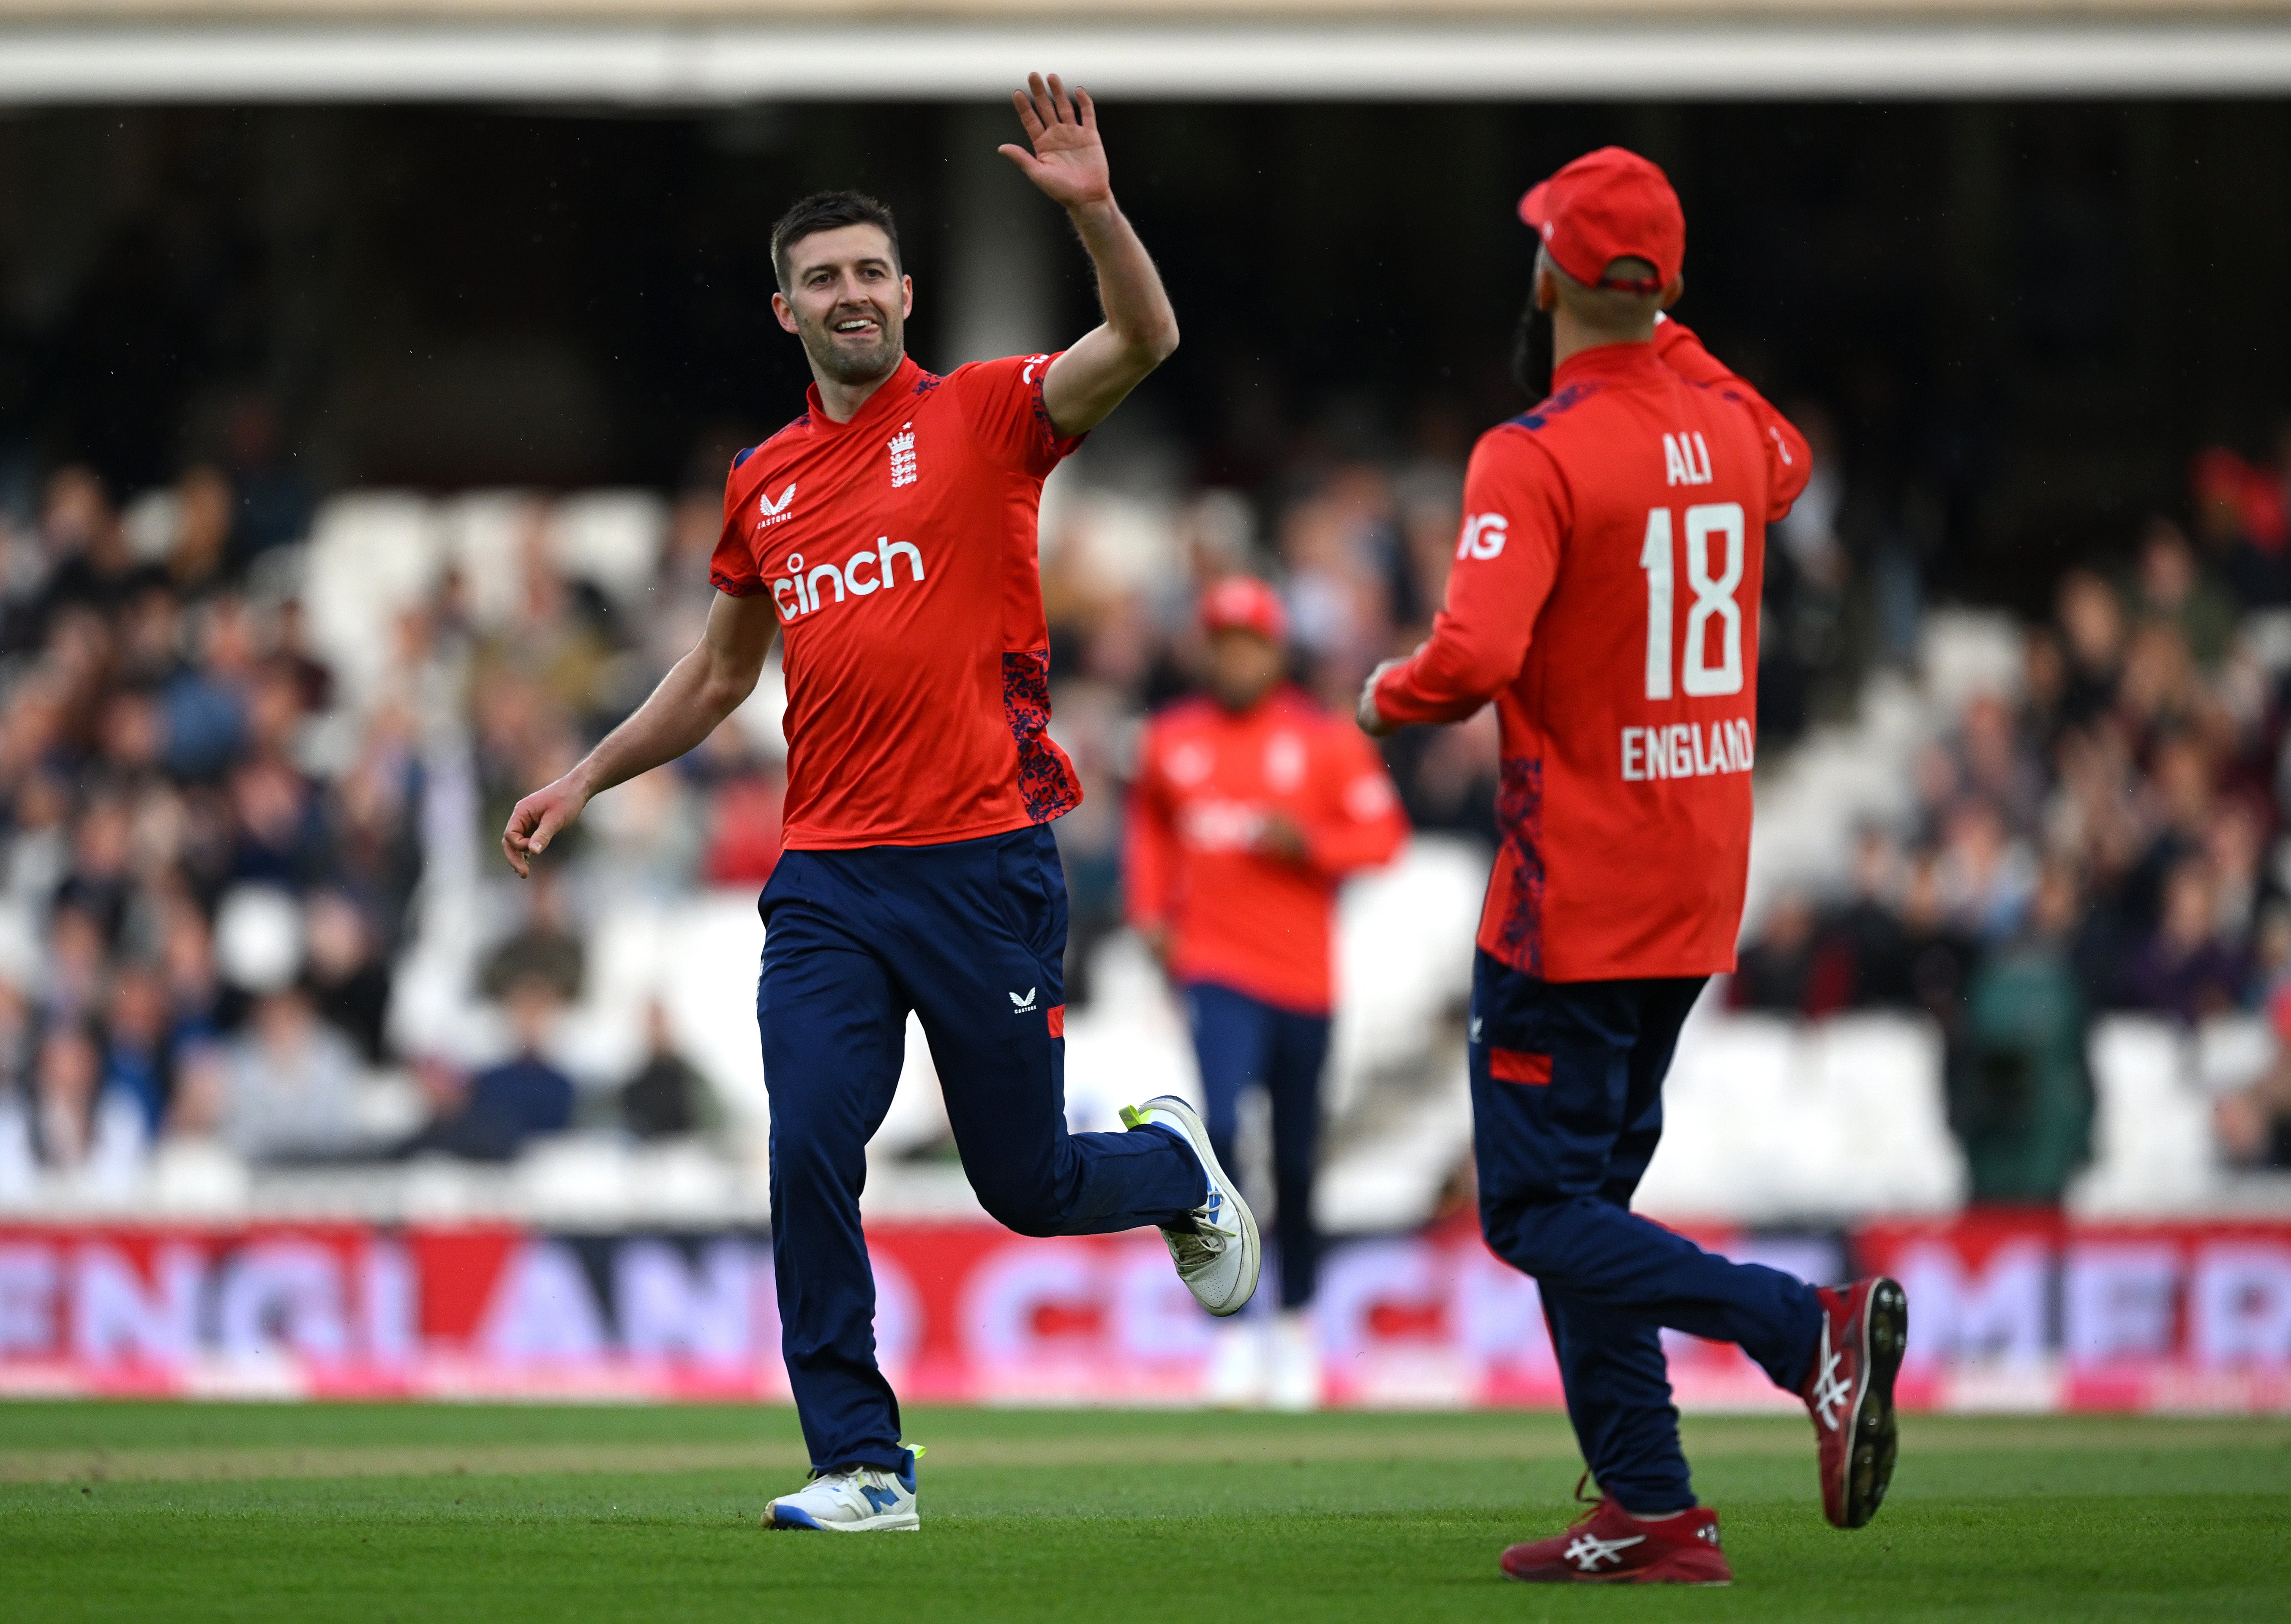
(700, 53)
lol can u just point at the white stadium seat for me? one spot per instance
(372, 556)
(2152, 1146)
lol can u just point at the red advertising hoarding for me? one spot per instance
(2006, 1311)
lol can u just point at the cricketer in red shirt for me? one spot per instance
(1249, 805)
(1243, 820)
(1604, 594)
(886, 538)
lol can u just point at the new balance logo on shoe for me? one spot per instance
(1024, 1006)
(881, 1500)
(1587, 1551)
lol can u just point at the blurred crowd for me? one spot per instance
(2109, 835)
(211, 858)
(215, 829)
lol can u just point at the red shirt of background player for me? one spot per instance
(899, 550)
(1207, 779)
(1605, 594)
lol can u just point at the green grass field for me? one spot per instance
(164, 1512)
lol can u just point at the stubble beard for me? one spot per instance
(849, 367)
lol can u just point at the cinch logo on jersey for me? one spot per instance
(866, 571)
(1685, 459)
(1680, 751)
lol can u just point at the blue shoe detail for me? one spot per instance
(907, 1472)
(789, 1516)
(881, 1500)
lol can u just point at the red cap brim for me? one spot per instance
(1531, 211)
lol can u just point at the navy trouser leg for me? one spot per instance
(984, 967)
(1618, 1386)
(1567, 1110)
(971, 936)
(834, 1037)
(1232, 1043)
(1240, 1040)
(1300, 1050)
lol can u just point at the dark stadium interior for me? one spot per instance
(2022, 319)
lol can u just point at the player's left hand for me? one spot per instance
(1280, 837)
(1068, 161)
(1372, 720)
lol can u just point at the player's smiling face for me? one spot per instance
(848, 302)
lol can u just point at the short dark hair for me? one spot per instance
(828, 211)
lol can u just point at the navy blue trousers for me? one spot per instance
(1240, 1040)
(970, 936)
(1566, 1111)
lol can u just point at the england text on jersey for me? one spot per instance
(1605, 593)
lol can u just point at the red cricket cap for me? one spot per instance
(1243, 603)
(1607, 206)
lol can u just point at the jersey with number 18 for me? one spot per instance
(1605, 593)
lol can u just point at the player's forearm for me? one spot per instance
(1101, 367)
(690, 703)
(1446, 681)
(1139, 315)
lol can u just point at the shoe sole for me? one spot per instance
(1645, 1576)
(1251, 1255)
(800, 1523)
(1877, 1431)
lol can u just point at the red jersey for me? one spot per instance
(1605, 594)
(1207, 782)
(900, 549)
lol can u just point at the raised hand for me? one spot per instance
(1068, 161)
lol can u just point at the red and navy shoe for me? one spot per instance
(1849, 1392)
(1608, 1546)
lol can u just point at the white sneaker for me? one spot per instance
(1216, 1251)
(858, 1499)
(1294, 1381)
(1234, 1378)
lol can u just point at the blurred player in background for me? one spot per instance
(1605, 593)
(1252, 803)
(888, 533)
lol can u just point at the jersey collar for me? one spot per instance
(1608, 364)
(897, 387)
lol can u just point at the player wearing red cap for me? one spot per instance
(1251, 802)
(887, 536)
(1604, 594)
